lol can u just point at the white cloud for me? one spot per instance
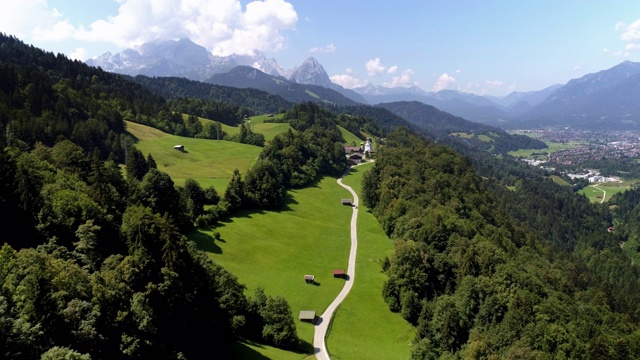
(327, 49)
(630, 35)
(79, 54)
(392, 69)
(445, 81)
(493, 84)
(577, 68)
(471, 87)
(347, 80)
(20, 18)
(458, 71)
(621, 53)
(221, 25)
(374, 67)
(403, 80)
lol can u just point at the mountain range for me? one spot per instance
(602, 100)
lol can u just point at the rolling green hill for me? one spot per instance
(210, 162)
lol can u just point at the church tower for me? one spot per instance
(367, 146)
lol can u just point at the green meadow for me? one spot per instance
(349, 137)
(598, 193)
(552, 147)
(481, 137)
(363, 323)
(274, 250)
(210, 162)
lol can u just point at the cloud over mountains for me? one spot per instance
(222, 26)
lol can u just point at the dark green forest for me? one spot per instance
(483, 271)
(492, 259)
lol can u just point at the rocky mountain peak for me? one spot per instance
(310, 72)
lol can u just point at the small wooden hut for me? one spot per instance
(309, 279)
(307, 316)
(339, 273)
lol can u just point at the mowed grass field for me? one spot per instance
(274, 250)
(605, 191)
(210, 162)
(363, 326)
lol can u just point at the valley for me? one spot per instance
(166, 218)
(606, 162)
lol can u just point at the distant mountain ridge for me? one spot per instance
(604, 99)
(184, 58)
(607, 99)
(249, 77)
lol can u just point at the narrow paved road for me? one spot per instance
(322, 324)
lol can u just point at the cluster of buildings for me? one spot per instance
(594, 176)
(582, 153)
(358, 154)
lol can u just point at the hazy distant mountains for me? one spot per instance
(606, 99)
(609, 99)
(182, 58)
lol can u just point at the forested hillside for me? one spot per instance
(443, 124)
(255, 101)
(94, 263)
(487, 272)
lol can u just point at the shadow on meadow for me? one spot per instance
(205, 241)
(243, 350)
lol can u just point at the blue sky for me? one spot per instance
(479, 46)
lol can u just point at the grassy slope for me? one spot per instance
(275, 250)
(363, 323)
(210, 162)
(560, 181)
(349, 137)
(269, 130)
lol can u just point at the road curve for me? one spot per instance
(322, 324)
(604, 193)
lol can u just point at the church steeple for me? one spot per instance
(367, 146)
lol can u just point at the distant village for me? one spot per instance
(589, 146)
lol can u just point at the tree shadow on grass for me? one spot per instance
(288, 201)
(304, 348)
(205, 241)
(242, 349)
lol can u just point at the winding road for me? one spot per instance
(604, 193)
(322, 324)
